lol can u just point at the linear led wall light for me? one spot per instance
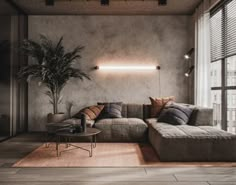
(132, 68)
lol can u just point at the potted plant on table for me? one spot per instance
(53, 68)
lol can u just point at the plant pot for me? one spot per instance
(55, 118)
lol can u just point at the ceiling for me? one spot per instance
(116, 7)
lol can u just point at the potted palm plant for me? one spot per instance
(52, 67)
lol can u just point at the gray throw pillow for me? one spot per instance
(175, 114)
(111, 110)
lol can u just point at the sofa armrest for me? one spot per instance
(151, 121)
(204, 117)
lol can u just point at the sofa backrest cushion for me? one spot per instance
(111, 110)
(132, 111)
(201, 116)
(146, 111)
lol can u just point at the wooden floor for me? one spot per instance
(16, 148)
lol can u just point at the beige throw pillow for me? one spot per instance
(157, 104)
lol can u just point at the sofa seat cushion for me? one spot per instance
(187, 131)
(191, 143)
(122, 129)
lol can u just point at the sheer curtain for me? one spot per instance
(202, 96)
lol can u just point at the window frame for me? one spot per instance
(224, 88)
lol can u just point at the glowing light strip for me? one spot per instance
(134, 68)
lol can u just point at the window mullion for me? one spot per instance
(224, 90)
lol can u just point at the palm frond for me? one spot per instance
(32, 70)
(59, 49)
(33, 49)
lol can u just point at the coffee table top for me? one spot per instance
(58, 125)
(53, 127)
(89, 132)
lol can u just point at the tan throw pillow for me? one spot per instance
(91, 112)
(157, 105)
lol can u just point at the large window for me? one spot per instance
(223, 65)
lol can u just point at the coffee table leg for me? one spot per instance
(57, 143)
(67, 142)
(46, 140)
(94, 141)
(91, 152)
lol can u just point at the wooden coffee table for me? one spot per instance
(65, 134)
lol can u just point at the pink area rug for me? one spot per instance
(104, 155)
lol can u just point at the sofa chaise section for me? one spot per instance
(195, 142)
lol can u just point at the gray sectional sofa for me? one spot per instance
(197, 141)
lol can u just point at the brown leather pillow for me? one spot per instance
(157, 105)
(91, 112)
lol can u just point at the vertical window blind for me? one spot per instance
(230, 28)
(216, 36)
(223, 31)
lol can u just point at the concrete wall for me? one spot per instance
(5, 23)
(127, 40)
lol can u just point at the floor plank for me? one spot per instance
(136, 183)
(206, 177)
(87, 178)
(222, 183)
(76, 171)
(192, 170)
(103, 183)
